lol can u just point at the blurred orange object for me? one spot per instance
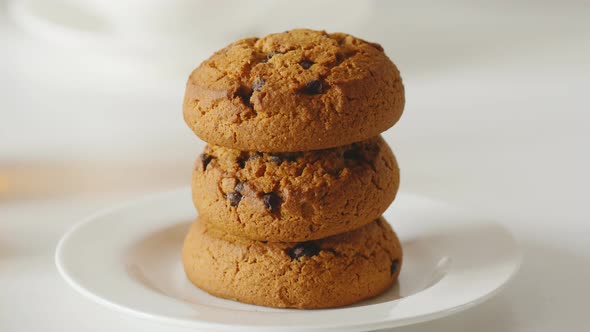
(33, 180)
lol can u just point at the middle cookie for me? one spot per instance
(298, 196)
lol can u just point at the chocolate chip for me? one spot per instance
(206, 159)
(241, 159)
(241, 162)
(352, 154)
(239, 187)
(270, 55)
(255, 155)
(291, 156)
(245, 94)
(394, 266)
(312, 87)
(275, 158)
(303, 249)
(234, 198)
(306, 64)
(258, 84)
(279, 158)
(271, 201)
(248, 156)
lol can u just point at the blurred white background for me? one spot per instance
(497, 120)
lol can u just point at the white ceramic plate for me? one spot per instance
(128, 258)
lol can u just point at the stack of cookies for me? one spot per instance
(291, 187)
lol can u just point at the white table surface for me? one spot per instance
(497, 121)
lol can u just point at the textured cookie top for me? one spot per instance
(294, 91)
(282, 174)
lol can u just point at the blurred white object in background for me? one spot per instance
(160, 35)
(170, 36)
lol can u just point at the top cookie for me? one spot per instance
(294, 91)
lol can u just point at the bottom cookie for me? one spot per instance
(330, 272)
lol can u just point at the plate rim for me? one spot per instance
(385, 322)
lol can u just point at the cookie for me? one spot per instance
(294, 91)
(296, 196)
(331, 272)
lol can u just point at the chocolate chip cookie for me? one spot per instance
(294, 91)
(296, 196)
(330, 272)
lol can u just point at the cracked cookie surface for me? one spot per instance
(330, 272)
(294, 91)
(295, 196)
